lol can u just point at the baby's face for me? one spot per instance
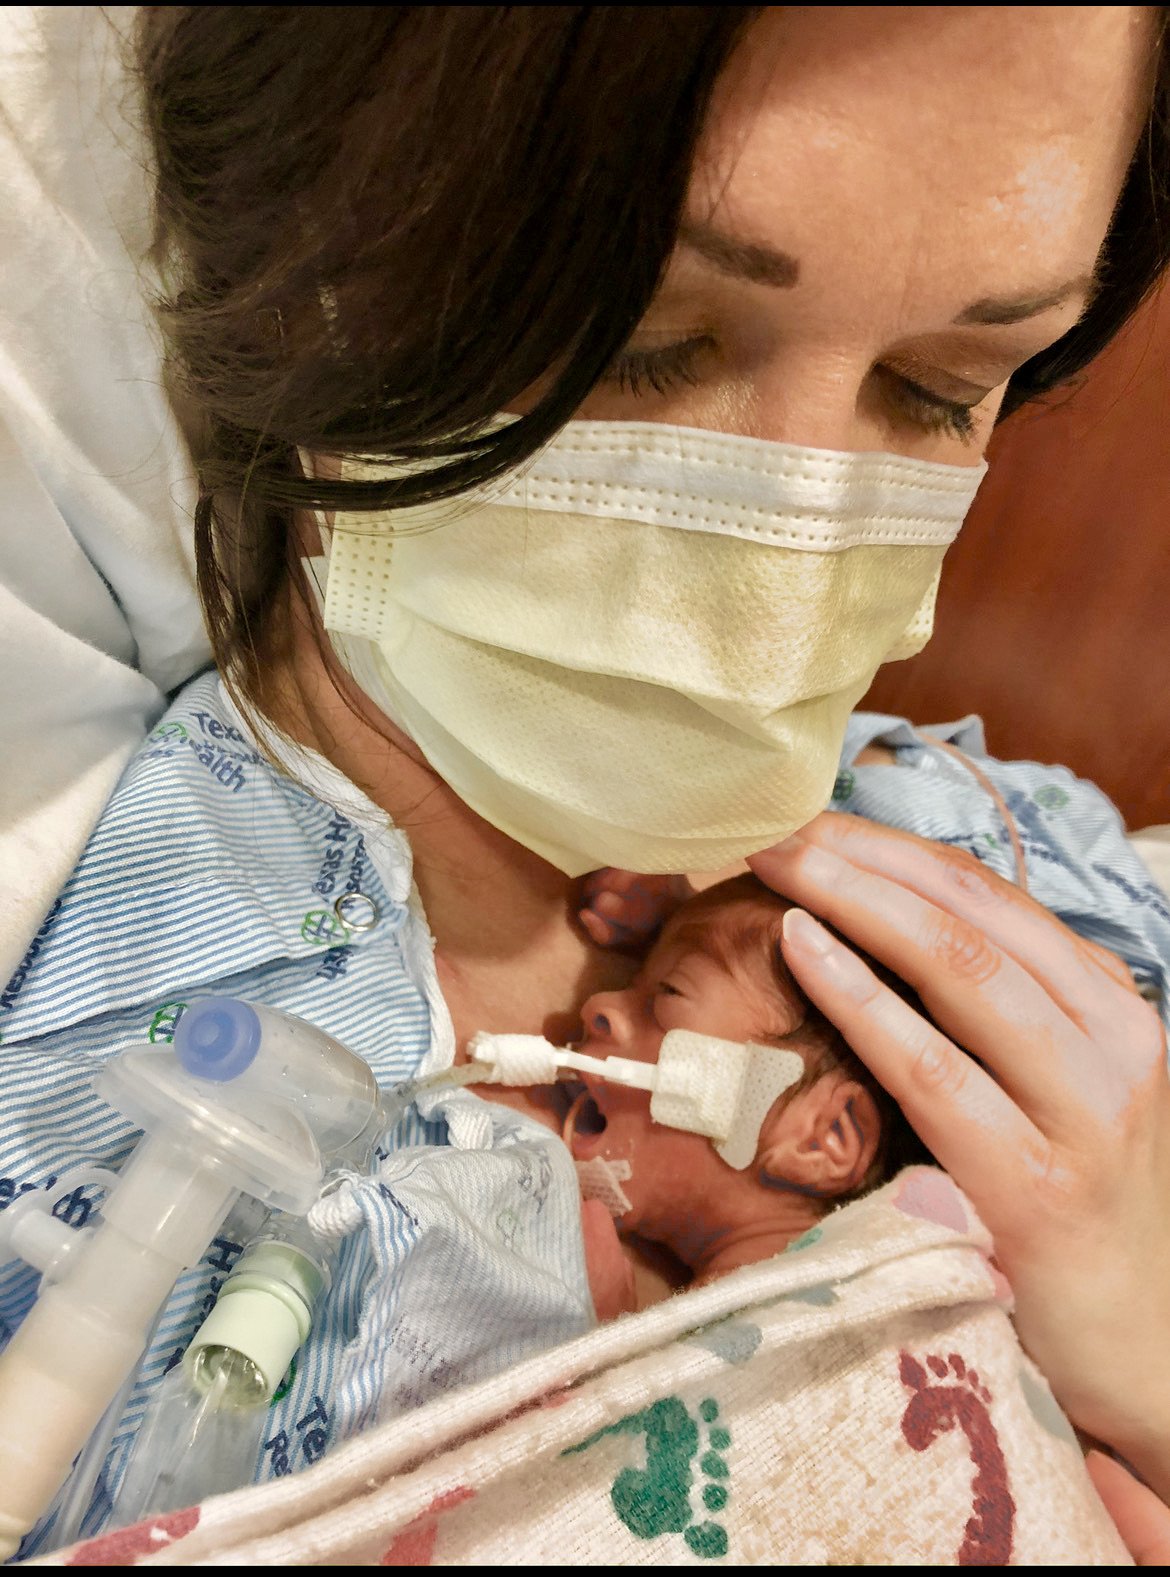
(681, 985)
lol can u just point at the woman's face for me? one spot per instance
(894, 207)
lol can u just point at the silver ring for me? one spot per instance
(356, 912)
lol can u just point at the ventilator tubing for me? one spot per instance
(722, 1089)
(700, 1084)
(247, 1100)
(85, 1334)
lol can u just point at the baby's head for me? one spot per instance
(718, 969)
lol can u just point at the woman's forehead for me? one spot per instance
(926, 157)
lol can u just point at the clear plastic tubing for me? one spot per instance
(85, 1333)
(248, 1100)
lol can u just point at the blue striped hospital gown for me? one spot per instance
(212, 873)
(1080, 864)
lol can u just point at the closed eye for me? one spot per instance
(659, 372)
(928, 410)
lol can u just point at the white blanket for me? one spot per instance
(98, 612)
(861, 1399)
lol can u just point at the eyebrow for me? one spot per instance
(764, 265)
(1014, 309)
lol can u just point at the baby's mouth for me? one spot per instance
(584, 1122)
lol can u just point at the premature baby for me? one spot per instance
(717, 968)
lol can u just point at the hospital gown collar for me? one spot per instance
(203, 852)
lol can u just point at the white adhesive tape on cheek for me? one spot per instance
(700, 1078)
(769, 1072)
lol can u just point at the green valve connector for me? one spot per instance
(263, 1314)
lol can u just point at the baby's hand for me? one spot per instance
(611, 1276)
(623, 909)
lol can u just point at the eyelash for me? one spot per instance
(660, 370)
(931, 412)
(638, 372)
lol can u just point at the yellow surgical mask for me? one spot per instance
(643, 650)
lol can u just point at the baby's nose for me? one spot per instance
(606, 1017)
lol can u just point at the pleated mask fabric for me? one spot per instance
(642, 651)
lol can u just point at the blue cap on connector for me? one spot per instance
(217, 1038)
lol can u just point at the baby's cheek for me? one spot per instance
(658, 1154)
(627, 1117)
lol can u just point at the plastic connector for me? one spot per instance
(264, 1313)
(514, 1059)
(218, 1038)
(29, 1230)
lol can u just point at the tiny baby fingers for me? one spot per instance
(597, 929)
(623, 908)
(952, 1104)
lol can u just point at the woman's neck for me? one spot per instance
(509, 953)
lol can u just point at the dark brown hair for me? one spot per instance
(381, 224)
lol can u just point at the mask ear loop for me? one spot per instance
(997, 800)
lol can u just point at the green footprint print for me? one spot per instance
(656, 1499)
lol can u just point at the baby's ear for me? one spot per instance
(822, 1141)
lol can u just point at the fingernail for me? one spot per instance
(794, 840)
(801, 929)
(818, 865)
(837, 966)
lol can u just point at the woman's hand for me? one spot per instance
(1139, 1516)
(1041, 1087)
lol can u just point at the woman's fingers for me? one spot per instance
(976, 993)
(953, 1105)
(1139, 1516)
(1059, 1132)
(1072, 971)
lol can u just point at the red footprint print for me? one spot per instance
(415, 1545)
(125, 1545)
(949, 1394)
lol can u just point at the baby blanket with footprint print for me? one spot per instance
(860, 1399)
